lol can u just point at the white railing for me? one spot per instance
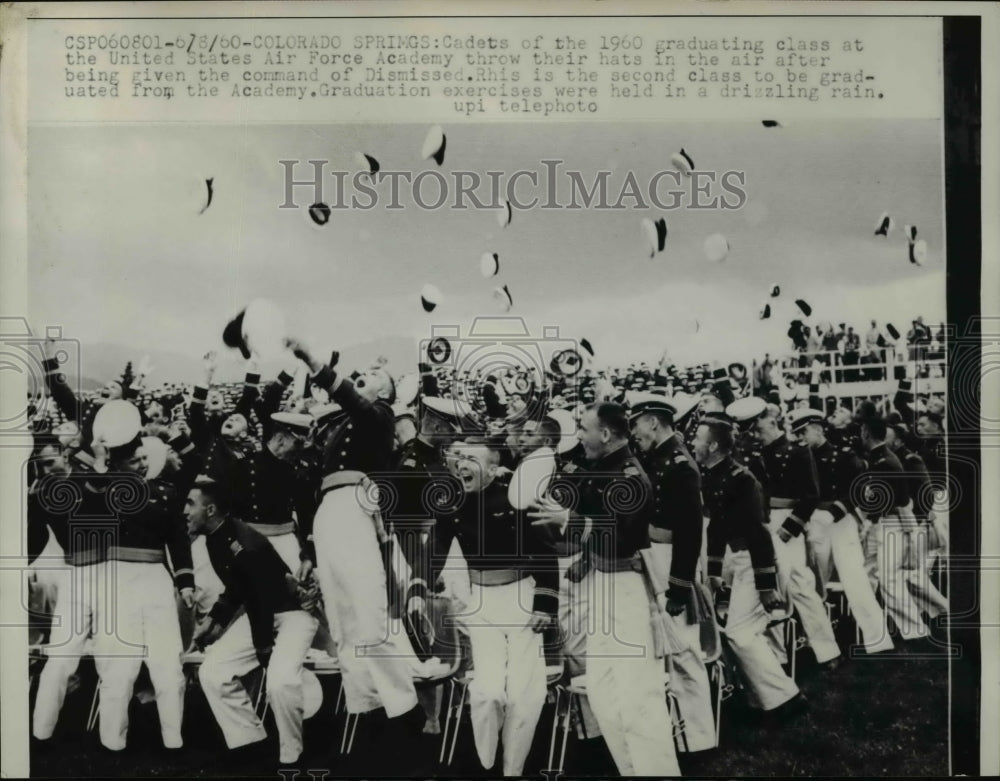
(865, 375)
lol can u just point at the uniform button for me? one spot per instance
(343, 452)
(350, 426)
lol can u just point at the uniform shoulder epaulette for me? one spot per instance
(569, 468)
(236, 546)
(680, 458)
(409, 461)
(632, 471)
(739, 469)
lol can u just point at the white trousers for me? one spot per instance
(508, 689)
(207, 586)
(918, 579)
(625, 680)
(79, 592)
(688, 675)
(885, 546)
(768, 686)
(838, 544)
(800, 583)
(44, 575)
(142, 627)
(574, 621)
(233, 655)
(376, 657)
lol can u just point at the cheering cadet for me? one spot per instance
(272, 490)
(611, 518)
(512, 599)
(834, 536)
(348, 537)
(885, 499)
(740, 545)
(56, 499)
(141, 624)
(275, 632)
(792, 492)
(676, 536)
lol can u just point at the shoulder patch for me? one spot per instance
(569, 468)
(409, 462)
(235, 547)
(680, 459)
(632, 471)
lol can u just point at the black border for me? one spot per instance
(961, 42)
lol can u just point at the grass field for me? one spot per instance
(873, 716)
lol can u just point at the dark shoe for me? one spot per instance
(788, 711)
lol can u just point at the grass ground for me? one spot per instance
(872, 716)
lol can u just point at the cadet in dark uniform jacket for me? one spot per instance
(741, 549)
(792, 492)
(512, 573)
(834, 536)
(275, 632)
(884, 497)
(149, 529)
(611, 520)
(83, 526)
(676, 532)
(348, 534)
(925, 594)
(274, 491)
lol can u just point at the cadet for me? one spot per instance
(611, 520)
(676, 533)
(349, 543)
(512, 599)
(792, 492)
(833, 533)
(275, 632)
(885, 499)
(741, 552)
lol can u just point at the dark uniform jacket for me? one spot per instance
(357, 438)
(884, 487)
(82, 530)
(254, 576)
(360, 438)
(838, 470)
(610, 506)
(677, 509)
(918, 481)
(791, 474)
(735, 504)
(495, 536)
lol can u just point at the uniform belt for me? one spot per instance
(141, 555)
(631, 564)
(780, 503)
(833, 507)
(340, 479)
(84, 558)
(495, 577)
(665, 536)
(566, 548)
(273, 529)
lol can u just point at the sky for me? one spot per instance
(118, 252)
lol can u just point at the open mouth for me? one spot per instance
(467, 476)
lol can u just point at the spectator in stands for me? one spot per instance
(872, 338)
(852, 350)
